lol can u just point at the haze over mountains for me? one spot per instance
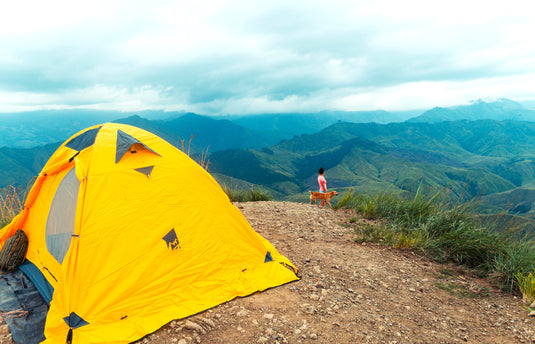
(484, 150)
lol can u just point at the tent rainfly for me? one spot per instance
(127, 233)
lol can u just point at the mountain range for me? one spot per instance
(483, 150)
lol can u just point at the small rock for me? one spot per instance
(208, 322)
(313, 336)
(532, 314)
(532, 305)
(269, 316)
(190, 325)
(311, 310)
(262, 340)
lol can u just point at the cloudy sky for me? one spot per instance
(247, 56)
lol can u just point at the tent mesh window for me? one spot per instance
(60, 222)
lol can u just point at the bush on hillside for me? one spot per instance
(443, 232)
(526, 283)
(239, 195)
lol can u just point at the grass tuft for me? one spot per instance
(444, 232)
(526, 283)
(240, 195)
(11, 203)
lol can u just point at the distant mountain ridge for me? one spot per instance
(208, 133)
(469, 159)
(502, 109)
(489, 158)
(31, 129)
(36, 128)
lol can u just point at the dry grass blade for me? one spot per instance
(11, 203)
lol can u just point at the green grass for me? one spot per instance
(526, 283)
(445, 232)
(236, 194)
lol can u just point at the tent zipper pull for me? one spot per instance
(69, 337)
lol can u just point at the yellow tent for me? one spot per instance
(128, 233)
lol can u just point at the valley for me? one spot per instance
(482, 152)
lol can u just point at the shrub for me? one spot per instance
(518, 258)
(239, 195)
(526, 284)
(443, 232)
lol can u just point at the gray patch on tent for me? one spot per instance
(145, 170)
(171, 240)
(124, 142)
(75, 321)
(61, 216)
(83, 140)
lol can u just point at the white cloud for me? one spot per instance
(237, 56)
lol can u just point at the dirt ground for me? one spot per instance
(351, 293)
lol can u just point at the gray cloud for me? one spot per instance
(243, 56)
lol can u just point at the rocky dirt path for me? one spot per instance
(352, 293)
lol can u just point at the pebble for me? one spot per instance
(269, 316)
(190, 325)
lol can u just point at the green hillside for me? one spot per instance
(485, 159)
(18, 166)
(468, 159)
